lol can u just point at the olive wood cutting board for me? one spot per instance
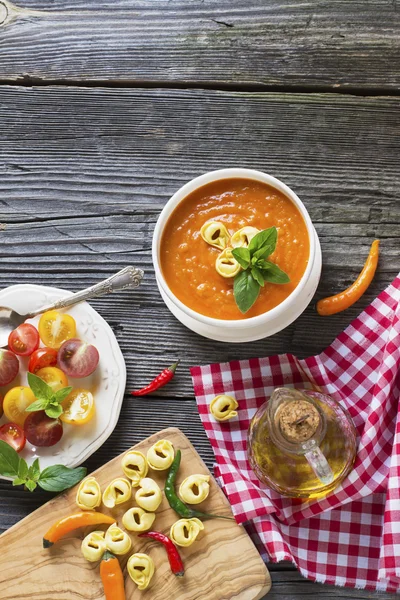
(223, 564)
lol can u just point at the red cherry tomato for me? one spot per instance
(14, 435)
(77, 358)
(41, 430)
(24, 340)
(9, 366)
(42, 357)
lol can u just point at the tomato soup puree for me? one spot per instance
(188, 262)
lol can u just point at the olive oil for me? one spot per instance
(301, 467)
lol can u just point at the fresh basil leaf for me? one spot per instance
(31, 485)
(264, 239)
(37, 405)
(274, 274)
(60, 395)
(258, 276)
(59, 478)
(54, 411)
(9, 460)
(34, 470)
(22, 469)
(246, 290)
(265, 251)
(41, 390)
(242, 255)
(19, 481)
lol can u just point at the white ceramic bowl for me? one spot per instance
(254, 328)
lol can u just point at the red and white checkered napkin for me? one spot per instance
(352, 537)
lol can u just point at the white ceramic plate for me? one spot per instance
(107, 383)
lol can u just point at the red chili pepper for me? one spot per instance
(158, 382)
(174, 558)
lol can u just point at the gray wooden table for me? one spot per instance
(107, 108)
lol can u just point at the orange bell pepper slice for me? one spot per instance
(112, 577)
(341, 301)
(72, 522)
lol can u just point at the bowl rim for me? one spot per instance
(200, 181)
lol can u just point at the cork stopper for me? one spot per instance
(298, 421)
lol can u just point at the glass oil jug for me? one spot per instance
(301, 443)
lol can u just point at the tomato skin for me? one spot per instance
(55, 328)
(9, 366)
(16, 402)
(14, 435)
(54, 377)
(41, 430)
(1, 406)
(41, 358)
(24, 339)
(77, 358)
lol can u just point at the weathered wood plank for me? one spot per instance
(315, 44)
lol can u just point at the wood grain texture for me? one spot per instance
(85, 173)
(213, 564)
(335, 44)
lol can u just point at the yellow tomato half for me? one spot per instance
(55, 328)
(16, 402)
(54, 377)
(78, 407)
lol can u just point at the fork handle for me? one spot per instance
(130, 277)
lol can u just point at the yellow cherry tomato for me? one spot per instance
(78, 407)
(16, 402)
(54, 377)
(55, 328)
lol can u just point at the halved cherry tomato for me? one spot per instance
(54, 377)
(9, 366)
(16, 402)
(77, 358)
(78, 407)
(42, 357)
(55, 328)
(41, 430)
(24, 339)
(13, 435)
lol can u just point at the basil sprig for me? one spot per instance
(52, 479)
(256, 268)
(46, 398)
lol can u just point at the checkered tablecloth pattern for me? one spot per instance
(351, 537)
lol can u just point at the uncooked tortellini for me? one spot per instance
(161, 455)
(215, 234)
(226, 265)
(195, 488)
(223, 407)
(136, 519)
(117, 541)
(243, 237)
(117, 492)
(148, 495)
(88, 496)
(185, 531)
(141, 569)
(94, 546)
(134, 465)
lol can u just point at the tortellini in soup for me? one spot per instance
(226, 265)
(149, 495)
(223, 407)
(215, 234)
(94, 546)
(134, 466)
(117, 492)
(243, 237)
(185, 531)
(137, 519)
(88, 496)
(141, 569)
(194, 489)
(161, 455)
(117, 540)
